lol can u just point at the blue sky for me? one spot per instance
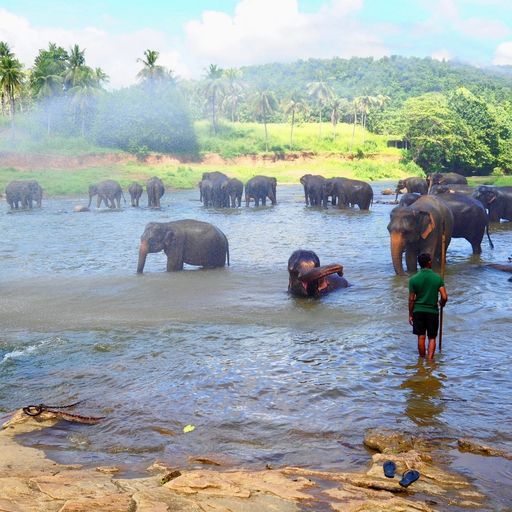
(191, 34)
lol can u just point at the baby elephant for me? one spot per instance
(184, 241)
(308, 279)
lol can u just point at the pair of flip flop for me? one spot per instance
(409, 477)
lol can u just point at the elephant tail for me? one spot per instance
(488, 236)
(227, 250)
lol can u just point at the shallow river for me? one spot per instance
(264, 378)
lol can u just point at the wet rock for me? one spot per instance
(388, 192)
(80, 208)
(205, 460)
(467, 445)
(112, 503)
(109, 470)
(159, 467)
(386, 441)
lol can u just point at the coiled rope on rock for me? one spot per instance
(36, 410)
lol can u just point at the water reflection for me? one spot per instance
(424, 402)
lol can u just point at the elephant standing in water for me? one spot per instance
(107, 191)
(135, 190)
(308, 279)
(417, 229)
(347, 192)
(259, 188)
(155, 190)
(23, 192)
(413, 184)
(313, 189)
(234, 191)
(184, 241)
(497, 200)
(215, 183)
(445, 178)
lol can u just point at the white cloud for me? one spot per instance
(503, 54)
(275, 30)
(116, 54)
(442, 55)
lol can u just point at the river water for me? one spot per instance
(264, 378)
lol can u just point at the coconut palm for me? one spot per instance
(83, 93)
(75, 67)
(265, 104)
(293, 107)
(47, 87)
(11, 81)
(214, 87)
(5, 51)
(337, 107)
(151, 72)
(321, 93)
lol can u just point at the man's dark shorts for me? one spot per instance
(425, 322)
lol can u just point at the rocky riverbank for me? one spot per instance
(31, 482)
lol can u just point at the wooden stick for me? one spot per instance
(443, 268)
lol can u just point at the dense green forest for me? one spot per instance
(450, 116)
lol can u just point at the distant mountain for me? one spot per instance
(397, 77)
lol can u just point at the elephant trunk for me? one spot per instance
(397, 249)
(143, 252)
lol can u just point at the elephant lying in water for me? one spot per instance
(184, 241)
(308, 279)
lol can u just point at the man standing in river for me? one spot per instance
(424, 290)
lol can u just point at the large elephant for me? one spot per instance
(219, 195)
(445, 178)
(234, 190)
(259, 188)
(135, 190)
(417, 229)
(497, 200)
(313, 189)
(23, 193)
(412, 184)
(108, 191)
(184, 241)
(308, 279)
(470, 219)
(155, 190)
(347, 193)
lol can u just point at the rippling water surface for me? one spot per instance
(265, 378)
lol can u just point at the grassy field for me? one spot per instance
(237, 150)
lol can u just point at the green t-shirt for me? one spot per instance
(425, 284)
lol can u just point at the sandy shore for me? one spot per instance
(31, 482)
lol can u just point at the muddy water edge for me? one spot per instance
(264, 378)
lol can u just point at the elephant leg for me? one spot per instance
(175, 258)
(264, 201)
(410, 260)
(476, 246)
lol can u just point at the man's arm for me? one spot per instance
(444, 296)
(412, 299)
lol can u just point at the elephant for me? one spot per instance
(234, 190)
(206, 192)
(313, 189)
(497, 200)
(445, 178)
(347, 192)
(470, 219)
(219, 196)
(108, 190)
(417, 229)
(184, 241)
(259, 188)
(155, 190)
(409, 198)
(23, 192)
(453, 189)
(135, 190)
(308, 279)
(412, 184)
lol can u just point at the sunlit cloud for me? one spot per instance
(503, 54)
(442, 55)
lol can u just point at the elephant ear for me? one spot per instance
(429, 218)
(168, 238)
(492, 196)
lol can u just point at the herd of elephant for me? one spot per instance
(431, 212)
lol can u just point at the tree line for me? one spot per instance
(447, 127)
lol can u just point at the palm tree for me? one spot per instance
(5, 51)
(233, 91)
(336, 106)
(265, 104)
(213, 89)
(293, 107)
(321, 92)
(151, 72)
(75, 66)
(100, 77)
(11, 81)
(47, 87)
